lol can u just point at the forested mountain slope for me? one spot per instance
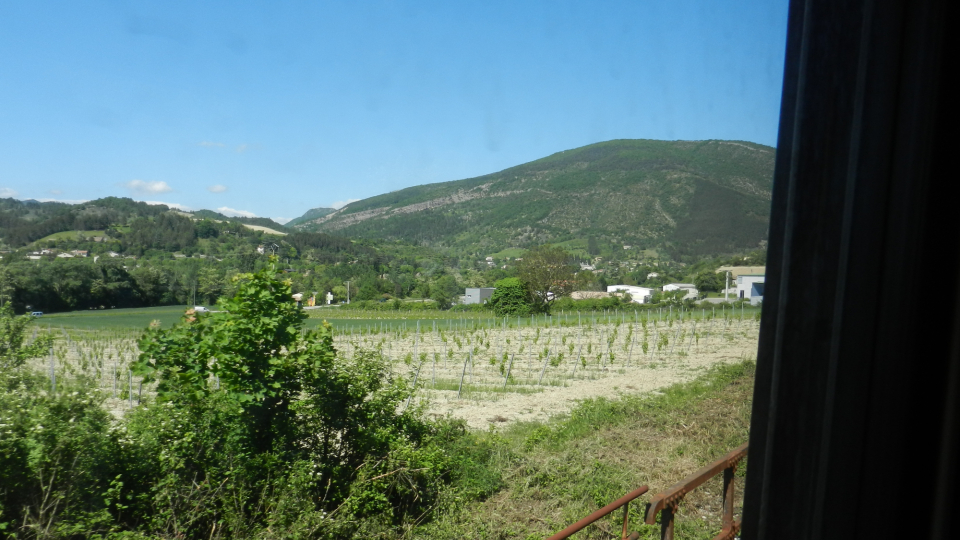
(685, 197)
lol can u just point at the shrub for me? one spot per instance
(510, 298)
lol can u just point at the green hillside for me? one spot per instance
(310, 215)
(258, 221)
(683, 197)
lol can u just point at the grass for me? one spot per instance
(70, 235)
(105, 319)
(512, 253)
(551, 474)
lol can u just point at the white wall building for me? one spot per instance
(750, 286)
(640, 295)
(478, 295)
(691, 289)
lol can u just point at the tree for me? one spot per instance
(510, 298)
(548, 272)
(708, 281)
(13, 353)
(444, 291)
(296, 402)
(210, 283)
(592, 247)
(152, 283)
(7, 285)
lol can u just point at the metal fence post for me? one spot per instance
(729, 493)
(666, 523)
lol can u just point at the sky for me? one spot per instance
(273, 108)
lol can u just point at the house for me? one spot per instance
(736, 271)
(750, 287)
(640, 295)
(652, 275)
(478, 295)
(691, 289)
(65, 255)
(79, 252)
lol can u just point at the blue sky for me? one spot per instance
(272, 108)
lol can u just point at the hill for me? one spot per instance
(23, 222)
(690, 198)
(310, 215)
(28, 221)
(263, 223)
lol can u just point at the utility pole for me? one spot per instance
(726, 290)
(348, 292)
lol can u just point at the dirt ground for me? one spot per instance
(497, 410)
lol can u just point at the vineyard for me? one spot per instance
(530, 369)
(483, 370)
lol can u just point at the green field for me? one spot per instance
(350, 320)
(104, 319)
(71, 235)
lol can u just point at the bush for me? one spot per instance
(60, 461)
(510, 298)
(259, 429)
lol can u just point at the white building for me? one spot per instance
(478, 295)
(640, 295)
(750, 286)
(691, 289)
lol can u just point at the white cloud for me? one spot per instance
(148, 186)
(7, 192)
(219, 188)
(177, 206)
(340, 204)
(55, 192)
(230, 212)
(209, 144)
(242, 148)
(282, 220)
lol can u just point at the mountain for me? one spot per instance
(258, 221)
(310, 215)
(690, 198)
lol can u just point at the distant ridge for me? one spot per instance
(310, 215)
(686, 197)
(259, 221)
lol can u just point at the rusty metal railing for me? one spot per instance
(622, 502)
(668, 500)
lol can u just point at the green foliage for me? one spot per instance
(260, 429)
(510, 299)
(708, 281)
(548, 273)
(13, 351)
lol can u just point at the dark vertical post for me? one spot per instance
(626, 520)
(729, 493)
(666, 522)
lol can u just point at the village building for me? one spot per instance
(691, 289)
(478, 295)
(750, 287)
(639, 295)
